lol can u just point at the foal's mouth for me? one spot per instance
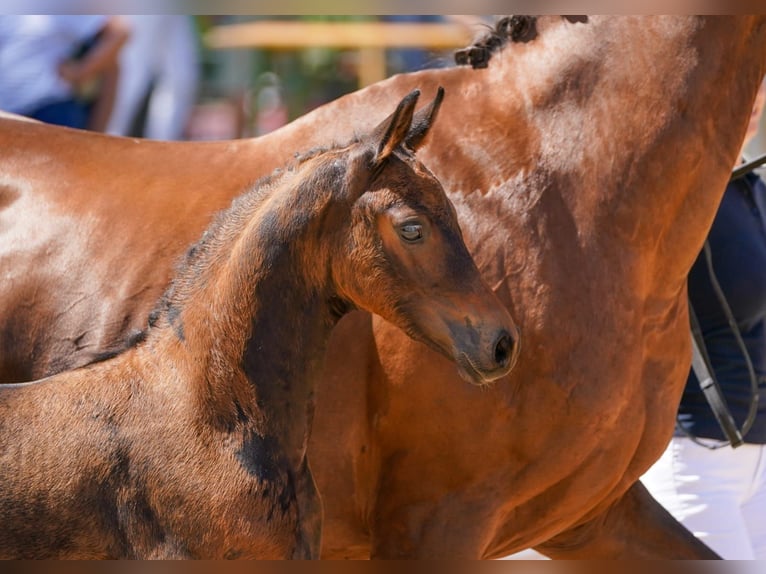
(472, 374)
(469, 369)
(505, 358)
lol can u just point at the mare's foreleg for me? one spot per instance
(634, 527)
(439, 528)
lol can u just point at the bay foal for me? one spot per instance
(192, 443)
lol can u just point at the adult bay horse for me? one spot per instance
(586, 160)
(193, 442)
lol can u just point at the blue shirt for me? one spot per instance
(738, 246)
(31, 49)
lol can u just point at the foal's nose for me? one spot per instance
(506, 351)
(503, 350)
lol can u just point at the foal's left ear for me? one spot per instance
(392, 131)
(423, 120)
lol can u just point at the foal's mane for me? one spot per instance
(195, 259)
(225, 221)
(507, 29)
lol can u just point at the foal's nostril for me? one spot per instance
(503, 350)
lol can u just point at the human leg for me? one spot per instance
(754, 509)
(704, 490)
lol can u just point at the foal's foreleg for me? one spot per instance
(309, 535)
(635, 527)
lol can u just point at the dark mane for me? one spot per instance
(513, 28)
(509, 28)
(196, 255)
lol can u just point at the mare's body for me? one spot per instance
(586, 163)
(192, 443)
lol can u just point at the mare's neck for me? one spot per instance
(251, 311)
(634, 125)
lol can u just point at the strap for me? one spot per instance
(709, 385)
(747, 167)
(701, 361)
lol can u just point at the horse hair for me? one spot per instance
(513, 28)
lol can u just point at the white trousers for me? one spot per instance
(162, 48)
(720, 495)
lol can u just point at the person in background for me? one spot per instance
(159, 75)
(60, 69)
(719, 492)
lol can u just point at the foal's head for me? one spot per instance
(400, 252)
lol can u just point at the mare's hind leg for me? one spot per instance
(635, 527)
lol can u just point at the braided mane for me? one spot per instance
(513, 28)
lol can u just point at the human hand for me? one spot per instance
(71, 72)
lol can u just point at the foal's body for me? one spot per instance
(192, 444)
(105, 476)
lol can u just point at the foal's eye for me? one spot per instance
(411, 232)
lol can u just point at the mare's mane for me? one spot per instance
(507, 29)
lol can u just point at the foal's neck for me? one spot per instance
(252, 309)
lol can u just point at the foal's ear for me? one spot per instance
(423, 120)
(393, 131)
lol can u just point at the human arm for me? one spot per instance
(101, 57)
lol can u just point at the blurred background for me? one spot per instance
(180, 76)
(259, 72)
(242, 76)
